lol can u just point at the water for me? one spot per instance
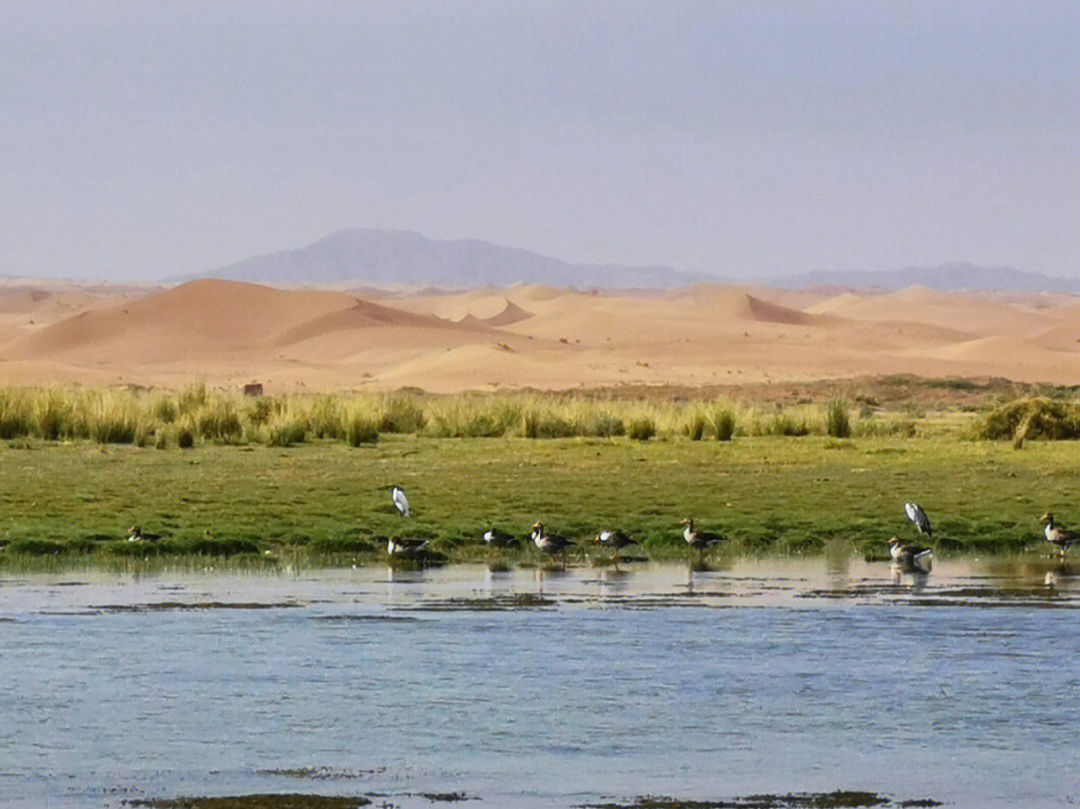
(530, 689)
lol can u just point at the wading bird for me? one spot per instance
(401, 546)
(401, 502)
(699, 539)
(135, 534)
(550, 544)
(614, 539)
(912, 558)
(919, 519)
(1058, 534)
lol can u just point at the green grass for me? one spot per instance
(324, 502)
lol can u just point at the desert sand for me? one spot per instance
(227, 333)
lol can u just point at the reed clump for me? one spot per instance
(1032, 418)
(837, 423)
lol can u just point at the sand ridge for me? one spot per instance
(225, 332)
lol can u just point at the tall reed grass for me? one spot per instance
(200, 415)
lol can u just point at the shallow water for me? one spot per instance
(538, 689)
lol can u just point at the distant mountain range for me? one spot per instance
(387, 257)
(403, 257)
(959, 275)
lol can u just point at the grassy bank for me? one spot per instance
(325, 502)
(167, 419)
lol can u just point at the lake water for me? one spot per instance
(544, 689)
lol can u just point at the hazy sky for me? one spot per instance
(145, 139)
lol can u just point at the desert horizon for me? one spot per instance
(228, 333)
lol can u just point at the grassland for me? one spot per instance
(326, 502)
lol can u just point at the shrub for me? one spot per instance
(220, 421)
(603, 425)
(165, 410)
(325, 418)
(785, 424)
(530, 421)
(192, 399)
(723, 420)
(284, 432)
(52, 415)
(361, 430)
(836, 420)
(551, 425)
(695, 426)
(15, 420)
(402, 414)
(1032, 418)
(642, 428)
(185, 437)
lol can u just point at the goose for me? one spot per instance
(135, 534)
(614, 539)
(401, 546)
(1058, 534)
(699, 539)
(550, 544)
(912, 558)
(919, 519)
(401, 502)
(499, 539)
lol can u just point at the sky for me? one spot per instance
(141, 140)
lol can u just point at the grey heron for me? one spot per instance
(913, 558)
(1058, 534)
(699, 539)
(401, 502)
(919, 519)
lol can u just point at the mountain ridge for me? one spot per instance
(407, 258)
(949, 276)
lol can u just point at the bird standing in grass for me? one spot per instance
(550, 544)
(1058, 534)
(401, 502)
(919, 519)
(614, 539)
(401, 546)
(701, 540)
(912, 558)
(135, 534)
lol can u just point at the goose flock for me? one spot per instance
(907, 557)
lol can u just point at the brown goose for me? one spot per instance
(403, 546)
(699, 539)
(135, 534)
(912, 558)
(499, 539)
(614, 539)
(1058, 534)
(550, 544)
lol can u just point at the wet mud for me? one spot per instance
(840, 799)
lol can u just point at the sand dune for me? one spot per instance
(226, 333)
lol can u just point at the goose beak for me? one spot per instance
(1045, 518)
